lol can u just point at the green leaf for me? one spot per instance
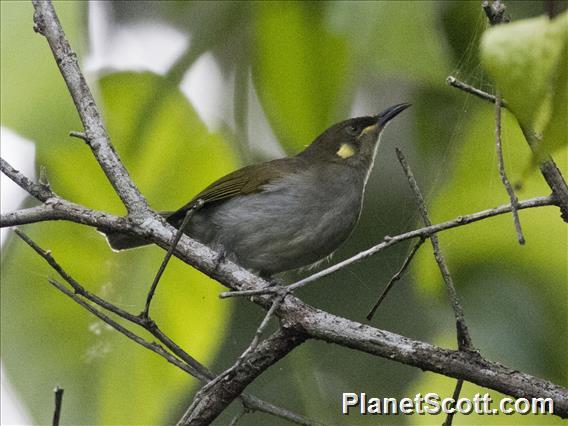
(528, 61)
(47, 339)
(300, 69)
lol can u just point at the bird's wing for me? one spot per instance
(248, 180)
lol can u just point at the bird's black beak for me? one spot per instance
(388, 114)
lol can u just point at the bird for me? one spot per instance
(287, 213)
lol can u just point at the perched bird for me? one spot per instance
(287, 213)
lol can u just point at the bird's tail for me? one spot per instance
(121, 241)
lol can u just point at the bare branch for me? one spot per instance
(390, 241)
(169, 253)
(395, 278)
(548, 168)
(501, 165)
(218, 396)
(47, 24)
(454, 82)
(38, 191)
(190, 365)
(455, 396)
(31, 215)
(79, 135)
(58, 401)
(464, 339)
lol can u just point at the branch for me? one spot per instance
(501, 166)
(465, 365)
(42, 213)
(464, 339)
(47, 24)
(211, 403)
(298, 319)
(390, 241)
(58, 401)
(195, 410)
(38, 191)
(190, 365)
(395, 278)
(168, 255)
(548, 167)
(454, 82)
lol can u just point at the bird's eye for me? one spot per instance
(352, 130)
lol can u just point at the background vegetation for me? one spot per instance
(287, 70)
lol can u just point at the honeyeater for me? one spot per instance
(287, 213)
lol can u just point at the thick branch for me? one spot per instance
(293, 312)
(47, 23)
(210, 404)
(190, 365)
(458, 364)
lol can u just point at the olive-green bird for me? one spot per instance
(287, 213)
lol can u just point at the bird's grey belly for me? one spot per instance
(276, 231)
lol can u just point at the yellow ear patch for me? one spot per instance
(345, 151)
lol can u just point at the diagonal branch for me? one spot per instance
(299, 321)
(182, 359)
(390, 241)
(464, 339)
(395, 278)
(501, 166)
(47, 24)
(548, 167)
(222, 392)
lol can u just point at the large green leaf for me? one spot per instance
(106, 377)
(299, 68)
(529, 62)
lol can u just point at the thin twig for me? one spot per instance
(501, 165)
(548, 168)
(455, 396)
(388, 242)
(36, 190)
(266, 320)
(58, 401)
(238, 416)
(190, 365)
(79, 135)
(454, 82)
(77, 288)
(464, 339)
(395, 278)
(253, 345)
(168, 255)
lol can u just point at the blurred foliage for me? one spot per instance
(529, 61)
(311, 65)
